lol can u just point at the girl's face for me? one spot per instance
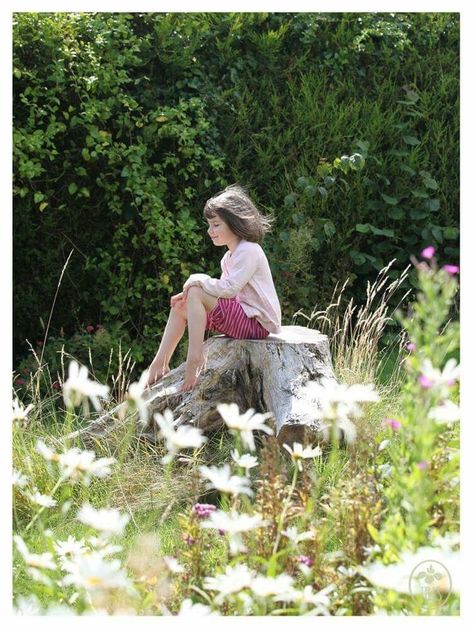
(220, 233)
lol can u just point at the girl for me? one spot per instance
(242, 304)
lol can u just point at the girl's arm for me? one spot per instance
(244, 265)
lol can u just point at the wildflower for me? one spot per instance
(452, 269)
(76, 463)
(173, 565)
(306, 560)
(245, 424)
(247, 461)
(428, 252)
(305, 563)
(298, 453)
(295, 538)
(398, 576)
(233, 580)
(188, 608)
(179, 438)
(187, 539)
(220, 478)
(78, 387)
(70, 548)
(422, 465)
(394, 424)
(410, 347)
(234, 524)
(46, 451)
(43, 501)
(92, 572)
(337, 403)
(432, 378)
(20, 413)
(203, 510)
(108, 521)
(307, 596)
(270, 586)
(445, 413)
(90, 328)
(134, 398)
(35, 562)
(19, 479)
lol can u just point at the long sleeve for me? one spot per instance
(244, 265)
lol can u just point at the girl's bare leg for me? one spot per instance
(174, 330)
(197, 318)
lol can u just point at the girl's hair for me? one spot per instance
(235, 208)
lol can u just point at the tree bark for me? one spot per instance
(275, 374)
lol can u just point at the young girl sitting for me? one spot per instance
(242, 304)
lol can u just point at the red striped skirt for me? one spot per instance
(228, 317)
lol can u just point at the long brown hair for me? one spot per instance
(237, 210)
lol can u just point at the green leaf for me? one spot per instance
(322, 191)
(382, 232)
(363, 228)
(39, 196)
(42, 206)
(301, 183)
(72, 188)
(357, 256)
(396, 213)
(417, 214)
(451, 233)
(85, 154)
(290, 200)
(389, 200)
(329, 229)
(432, 205)
(420, 194)
(411, 140)
(430, 183)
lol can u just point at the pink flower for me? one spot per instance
(90, 328)
(452, 269)
(19, 381)
(422, 465)
(203, 510)
(304, 559)
(394, 424)
(410, 347)
(428, 252)
(425, 382)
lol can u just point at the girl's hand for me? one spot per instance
(176, 298)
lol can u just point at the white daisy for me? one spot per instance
(247, 461)
(245, 424)
(76, 463)
(19, 479)
(108, 521)
(298, 452)
(92, 572)
(42, 500)
(173, 565)
(233, 580)
(177, 438)
(70, 547)
(134, 398)
(270, 586)
(79, 388)
(445, 413)
(45, 560)
(20, 413)
(221, 478)
(295, 538)
(234, 524)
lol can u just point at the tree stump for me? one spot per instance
(276, 375)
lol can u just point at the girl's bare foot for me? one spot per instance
(191, 374)
(156, 373)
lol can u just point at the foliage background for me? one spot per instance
(124, 124)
